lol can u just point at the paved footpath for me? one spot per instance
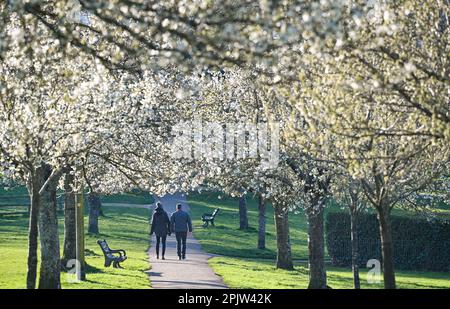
(191, 273)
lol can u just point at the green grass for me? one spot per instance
(261, 274)
(243, 266)
(227, 239)
(123, 227)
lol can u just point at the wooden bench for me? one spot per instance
(110, 256)
(209, 218)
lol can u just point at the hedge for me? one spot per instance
(419, 244)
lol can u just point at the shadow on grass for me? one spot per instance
(14, 220)
(100, 235)
(249, 230)
(89, 252)
(93, 270)
(222, 249)
(13, 214)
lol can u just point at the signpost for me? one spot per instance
(79, 215)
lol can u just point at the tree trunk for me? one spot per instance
(94, 213)
(317, 272)
(70, 244)
(81, 265)
(33, 190)
(243, 217)
(387, 248)
(355, 250)
(284, 256)
(261, 223)
(48, 230)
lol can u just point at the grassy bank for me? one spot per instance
(123, 227)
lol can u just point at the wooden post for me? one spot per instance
(80, 265)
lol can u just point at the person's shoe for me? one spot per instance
(184, 257)
(163, 258)
(179, 257)
(157, 257)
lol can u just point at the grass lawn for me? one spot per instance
(123, 227)
(261, 274)
(227, 239)
(243, 266)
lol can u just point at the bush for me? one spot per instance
(419, 244)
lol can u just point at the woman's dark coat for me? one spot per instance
(160, 223)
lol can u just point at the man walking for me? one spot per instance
(181, 224)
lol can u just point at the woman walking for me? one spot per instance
(161, 228)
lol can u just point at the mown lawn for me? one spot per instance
(261, 274)
(123, 227)
(227, 239)
(243, 266)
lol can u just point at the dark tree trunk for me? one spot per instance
(81, 265)
(355, 250)
(284, 255)
(387, 248)
(317, 272)
(243, 217)
(70, 243)
(33, 190)
(49, 275)
(94, 212)
(261, 223)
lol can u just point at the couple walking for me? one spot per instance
(179, 223)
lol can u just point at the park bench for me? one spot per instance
(209, 218)
(110, 256)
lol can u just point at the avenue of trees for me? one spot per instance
(90, 92)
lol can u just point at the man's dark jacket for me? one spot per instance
(181, 222)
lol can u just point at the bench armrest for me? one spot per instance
(119, 251)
